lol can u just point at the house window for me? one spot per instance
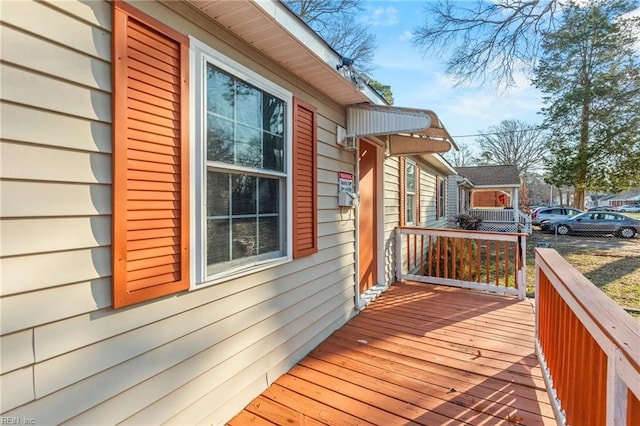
(410, 193)
(243, 149)
(441, 207)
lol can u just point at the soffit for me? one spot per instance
(280, 35)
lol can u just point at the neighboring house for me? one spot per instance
(491, 192)
(173, 233)
(630, 196)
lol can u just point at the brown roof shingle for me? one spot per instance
(491, 175)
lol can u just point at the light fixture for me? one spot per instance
(345, 62)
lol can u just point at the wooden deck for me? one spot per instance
(419, 354)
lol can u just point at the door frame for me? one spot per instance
(360, 301)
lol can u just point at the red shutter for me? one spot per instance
(305, 229)
(403, 191)
(150, 158)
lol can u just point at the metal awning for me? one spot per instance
(412, 145)
(410, 131)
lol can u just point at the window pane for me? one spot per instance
(217, 241)
(248, 105)
(244, 238)
(269, 234)
(411, 202)
(269, 193)
(217, 194)
(273, 158)
(411, 177)
(219, 139)
(273, 112)
(243, 198)
(248, 147)
(220, 92)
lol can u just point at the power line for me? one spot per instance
(500, 133)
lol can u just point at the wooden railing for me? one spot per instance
(503, 220)
(588, 346)
(491, 261)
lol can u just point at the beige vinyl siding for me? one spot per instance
(80, 26)
(428, 202)
(16, 387)
(23, 236)
(56, 130)
(453, 200)
(198, 356)
(16, 351)
(391, 215)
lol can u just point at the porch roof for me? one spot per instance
(409, 131)
(491, 176)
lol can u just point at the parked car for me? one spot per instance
(601, 223)
(629, 208)
(553, 213)
(601, 208)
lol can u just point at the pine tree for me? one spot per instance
(589, 73)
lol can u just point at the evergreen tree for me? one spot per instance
(589, 73)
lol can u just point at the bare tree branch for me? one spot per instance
(335, 21)
(490, 41)
(462, 158)
(514, 142)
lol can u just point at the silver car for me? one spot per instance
(553, 213)
(629, 208)
(600, 223)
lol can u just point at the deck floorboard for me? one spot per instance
(419, 354)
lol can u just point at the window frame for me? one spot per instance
(413, 205)
(441, 198)
(202, 54)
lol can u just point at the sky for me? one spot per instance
(419, 81)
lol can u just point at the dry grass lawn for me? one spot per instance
(612, 264)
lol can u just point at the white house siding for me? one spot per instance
(195, 357)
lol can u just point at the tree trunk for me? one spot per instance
(578, 198)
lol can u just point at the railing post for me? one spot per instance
(604, 355)
(521, 278)
(398, 250)
(616, 391)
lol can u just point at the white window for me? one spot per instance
(441, 198)
(241, 182)
(410, 201)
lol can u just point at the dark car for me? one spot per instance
(600, 223)
(601, 209)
